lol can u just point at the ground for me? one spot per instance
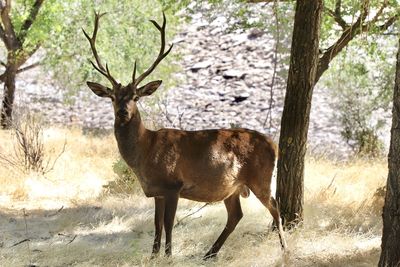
(67, 218)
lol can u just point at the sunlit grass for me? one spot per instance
(71, 221)
(78, 174)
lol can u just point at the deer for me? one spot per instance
(207, 165)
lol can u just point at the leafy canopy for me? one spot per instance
(125, 34)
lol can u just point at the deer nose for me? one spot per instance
(122, 113)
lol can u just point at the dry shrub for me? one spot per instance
(29, 152)
(79, 174)
(344, 194)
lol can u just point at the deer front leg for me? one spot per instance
(171, 202)
(158, 223)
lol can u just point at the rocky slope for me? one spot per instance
(225, 81)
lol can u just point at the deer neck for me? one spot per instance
(131, 140)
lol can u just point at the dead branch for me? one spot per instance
(20, 242)
(34, 65)
(55, 213)
(179, 221)
(72, 240)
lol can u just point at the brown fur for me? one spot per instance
(206, 166)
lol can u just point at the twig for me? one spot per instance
(276, 51)
(55, 213)
(20, 242)
(28, 240)
(47, 169)
(333, 179)
(190, 214)
(72, 240)
(34, 65)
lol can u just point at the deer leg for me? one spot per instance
(274, 210)
(158, 223)
(270, 203)
(171, 202)
(235, 213)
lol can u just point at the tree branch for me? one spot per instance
(2, 34)
(388, 23)
(2, 77)
(12, 42)
(25, 54)
(338, 18)
(30, 20)
(358, 27)
(337, 15)
(338, 7)
(34, 65)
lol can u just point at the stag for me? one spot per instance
(206, 166)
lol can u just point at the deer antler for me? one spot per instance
(160, 56)
(92, 40)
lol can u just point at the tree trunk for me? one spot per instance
(296, 112)
(390, 255)
(8, 98)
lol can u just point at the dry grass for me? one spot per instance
(69, 221)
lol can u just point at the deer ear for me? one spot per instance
(100, 90)
(148, 89)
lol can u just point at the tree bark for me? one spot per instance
(8, 99)
(390, 255)
(296, 112)
(17, 55)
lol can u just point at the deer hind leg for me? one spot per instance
(235, 213)
(171, 203)
(274, 210)
(270, 203)
(158, 223)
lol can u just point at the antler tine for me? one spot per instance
(134, 72)
(92, 40)
(161, 54)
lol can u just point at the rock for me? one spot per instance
(239, 39)
(201, 65)
(238, 99)
(255, 33)
(229, 74)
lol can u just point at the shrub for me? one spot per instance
(29, 152)
(361, 82)
(358, 131)
(126, 181)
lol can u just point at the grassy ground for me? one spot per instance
(65, 218)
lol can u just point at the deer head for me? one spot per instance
(124, 98)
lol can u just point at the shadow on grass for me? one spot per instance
(99, 235)
(84, 234)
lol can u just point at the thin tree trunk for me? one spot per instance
(296, 112)
(8, 99)
(390, 255)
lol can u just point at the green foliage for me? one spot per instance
(46, 19)
(126, 181)
(125, 34)
(350, 11)
(361, 81)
